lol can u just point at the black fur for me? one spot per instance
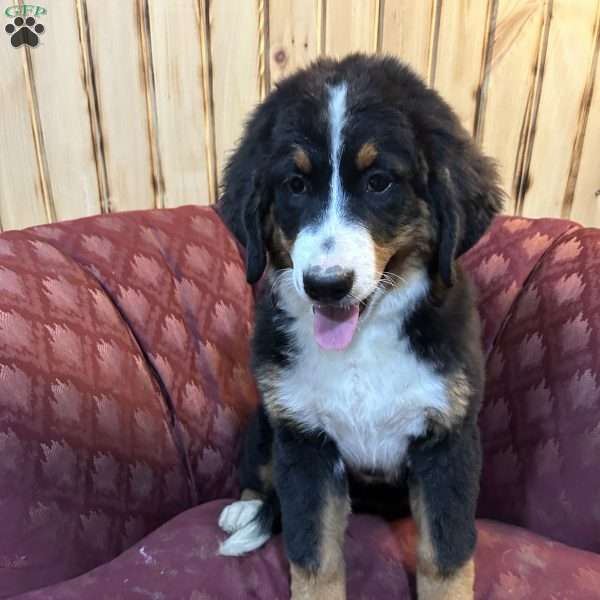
(257, 451)
(272, 343)
(305, 475)
(446, 468)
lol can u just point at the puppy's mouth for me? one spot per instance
(335, 326)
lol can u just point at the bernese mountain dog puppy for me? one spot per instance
(353, 190)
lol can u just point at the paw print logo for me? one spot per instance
(24, 32)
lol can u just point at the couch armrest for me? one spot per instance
(541, 417)
(124, 382)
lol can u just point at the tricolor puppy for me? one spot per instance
(354, 190)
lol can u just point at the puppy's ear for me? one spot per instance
(253, 218)
(245, 197)
(463, 191)
(448, 217)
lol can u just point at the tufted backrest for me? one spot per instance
(124, 383)
(539, 283)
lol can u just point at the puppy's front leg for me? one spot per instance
(443, 495)
(311, 483)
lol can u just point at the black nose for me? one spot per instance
(328, 285)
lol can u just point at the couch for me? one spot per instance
(125, 387)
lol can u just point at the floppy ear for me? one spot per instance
(464, 195)
(245, 199)
(253, 218)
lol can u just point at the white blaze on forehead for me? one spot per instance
(337, 119)
(352, 247)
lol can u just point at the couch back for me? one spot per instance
(539, 283)
(125, 385)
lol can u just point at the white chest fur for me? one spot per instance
(371, 398)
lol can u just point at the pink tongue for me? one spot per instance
(334, 327)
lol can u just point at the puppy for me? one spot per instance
(353, 190)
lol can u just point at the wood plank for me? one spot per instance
(586, 201)
(181, 129)
(119, 71)
(510, 87)
(460, 48)
(64, 114)
(406, 32)
(351, 26)
(293, 36)
(234, 39)
(21, 198)
(570, 47)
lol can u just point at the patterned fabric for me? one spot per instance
(124, 388)
(541, 418)
(502, 261)
(180, 561)
(123, 384)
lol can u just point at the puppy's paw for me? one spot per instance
(237, 515)
(248, 533)
(244, 540)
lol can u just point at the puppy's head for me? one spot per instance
(350, 174)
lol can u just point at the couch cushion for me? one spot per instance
(180, 560)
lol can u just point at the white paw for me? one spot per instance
(237, 515)
(249, 538)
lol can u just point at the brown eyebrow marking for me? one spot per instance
(302, 161)
(366, 156)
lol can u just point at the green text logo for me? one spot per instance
(25, 10)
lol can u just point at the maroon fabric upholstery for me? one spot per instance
(124, 387)
(541, 418)
(123, 384)
(180, 560)
(503, 260)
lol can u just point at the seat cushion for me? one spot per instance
(180, 560)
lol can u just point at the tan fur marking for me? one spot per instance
(278, 245)
(366, 156)
(430, 583)
(267, 378)
(457, 587)
(302, 160)
(459, 392)
(265, 472)
(410, 248)
(329, 582)
(249, 494)
(280, 242)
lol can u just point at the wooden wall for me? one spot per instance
(132, 104)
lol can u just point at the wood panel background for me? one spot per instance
(131, 104)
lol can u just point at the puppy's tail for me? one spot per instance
(250, 523)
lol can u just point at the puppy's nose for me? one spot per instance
(328, 285)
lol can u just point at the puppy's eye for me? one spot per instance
(296, 184)
(378, 183)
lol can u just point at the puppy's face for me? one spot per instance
(343, 152)
(344, 202)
